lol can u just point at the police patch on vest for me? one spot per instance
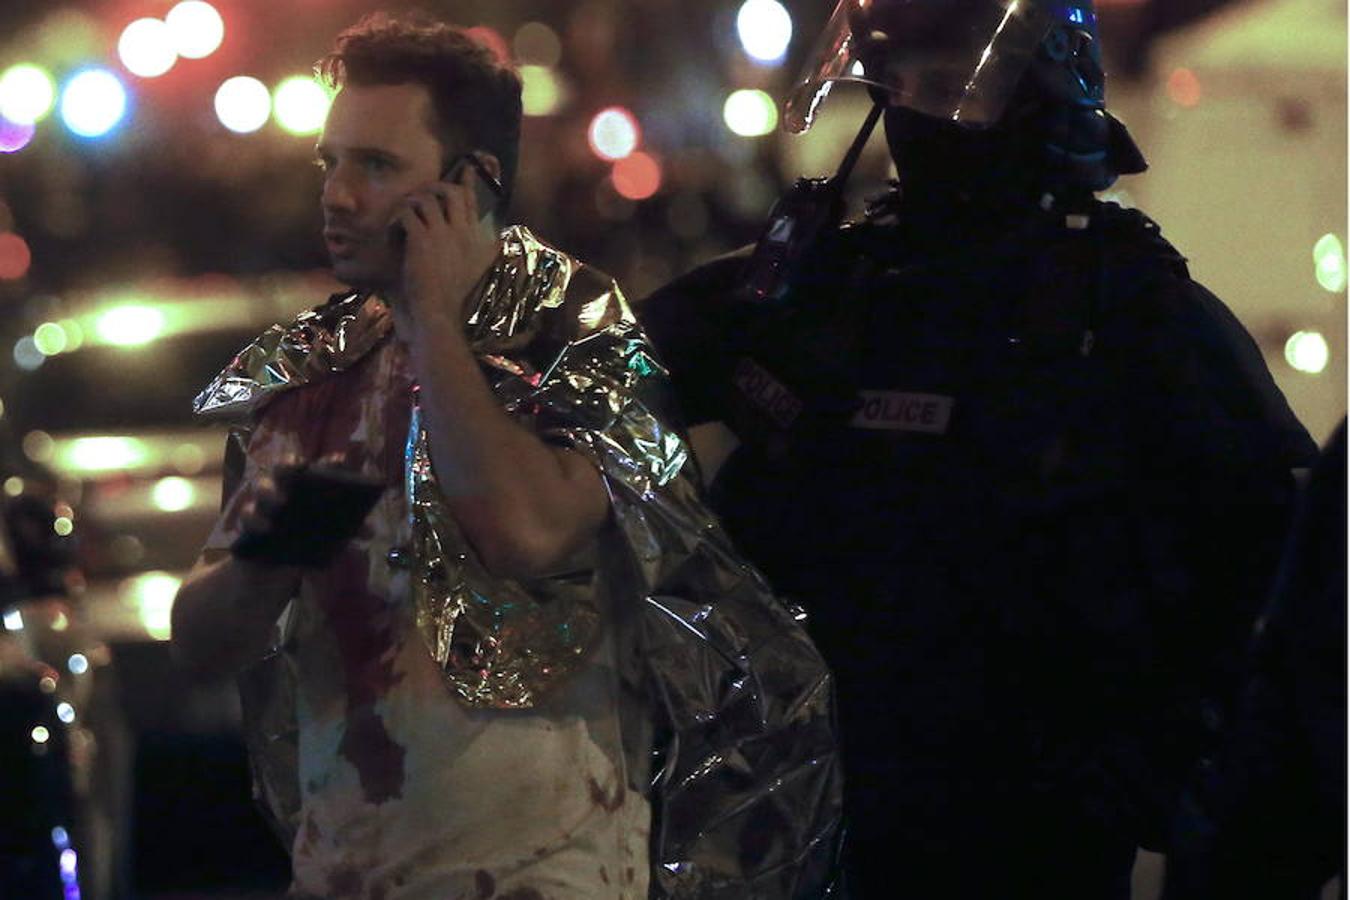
(767, 393)
(900, 411)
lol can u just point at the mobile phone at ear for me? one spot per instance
(487, 189)
(323, 509)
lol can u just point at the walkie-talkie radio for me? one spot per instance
(811, 208)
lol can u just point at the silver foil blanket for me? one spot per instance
(727, 704)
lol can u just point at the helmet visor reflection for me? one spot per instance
(957, 60)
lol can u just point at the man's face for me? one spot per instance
(375, 150)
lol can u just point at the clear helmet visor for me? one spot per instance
(957, 60)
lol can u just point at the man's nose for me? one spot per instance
(338, 194)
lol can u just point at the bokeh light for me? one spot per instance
(1307, 352)
(27, 93)
(1184, 87)
(765, 30)
(40, 734)
(78, 664)
(151, 594)
(26, 354)
(537, 44)
(50, 339)
(243, 104)
(750, 113)
(637, 176)
(38, 444)
(15, 257)
(146, 48)
(173, 494)
(1329, 258)
(541, 94)
(300, 105)
(132, 325)
(14, 136)
(93, 102)
(613, 133)
(195, 28)
(103, 453)
(65, 712)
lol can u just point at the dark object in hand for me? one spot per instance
(324, 507)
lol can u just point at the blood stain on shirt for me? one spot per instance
(602, 799)
(377, 758)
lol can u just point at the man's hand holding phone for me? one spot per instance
(302, 515)
(448, 241)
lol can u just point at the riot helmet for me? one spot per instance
(959, 61)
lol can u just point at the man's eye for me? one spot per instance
(378, 165)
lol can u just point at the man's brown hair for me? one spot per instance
(475, 98)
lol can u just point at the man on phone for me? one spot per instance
(470, 690)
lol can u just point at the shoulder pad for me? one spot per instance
(1133, 233)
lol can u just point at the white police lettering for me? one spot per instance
(900, 411)
(767, 393)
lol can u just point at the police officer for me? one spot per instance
(1027, 477)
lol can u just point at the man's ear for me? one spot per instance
(490, 162)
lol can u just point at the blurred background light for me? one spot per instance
(15, 257)
(78, 664)
(40, 734)
(1329, 257)
(131, 325)
(146, 48)
(50, 339)
(38, 446)
(63, 526)
(93, 102)
(65, 712)
(613, 133)
(537, 44)
(13, 620)
(637, 176)
(173, 494)
(67, 37)
(540, 94)
(1307, 351)
(1184, 87)
(104, 453)
(14, 136)
(151, 595)
(243, 104)
(196, 29)
(765, 30)
(26, 354)
(750, 113)
(27, 93)
(300, 105)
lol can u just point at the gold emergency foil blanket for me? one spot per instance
(727, 710)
